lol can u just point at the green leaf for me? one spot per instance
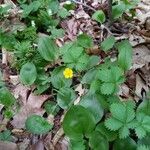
(85, 41)
(97, 141)
(78, 122)
(53, 5)
(128, 144)
(99, 16)
(93, 105)
(57, 33)
(47, 48)
(32, 7)
(28, 73)
(77, 145)
(58, 80)
(110, 135)
(125, 55)
(108, 88)
(76, 58)
(143, 147)
(65, 97)
(63, 13)
(108, 43)
(144, 142)
(6, 98)
(118, 10)
(51, 107)
(37, 125)
(93, 61)
(143, 125)
(5, 136)
(122, 118)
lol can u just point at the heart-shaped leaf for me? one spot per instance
(78, 122)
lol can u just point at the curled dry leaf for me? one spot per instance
(141, 56)
(31, 104)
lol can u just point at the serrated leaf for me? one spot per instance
(76, 58)
(47, 48)
(142, 147)
(124, 132)
(78, 122)
(37, 125)
(125, 55)
(28, 73)
(108, 43)
(65, 97)
(85, 41)
(108, 88)
(99, 16)
(113, 124)
(93, 105)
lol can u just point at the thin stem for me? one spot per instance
(110, 11)
(85, 5)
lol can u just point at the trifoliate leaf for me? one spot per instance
(78, 122)
(108, 43)
(65, 97)
(76, 58)
(99, 16)
(47, 48)
(125, 54)
(28, 73)
(85, 41)
(122, 118)
(37, 125)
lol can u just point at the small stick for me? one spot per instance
(85, 5)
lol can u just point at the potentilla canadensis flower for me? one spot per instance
(68, 73)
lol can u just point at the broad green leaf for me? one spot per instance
(37, 125)
(125, 55)
(98, 141)
(118, 10)
(93, 105)
(99, 16)
(65, 97)
(93, 61)
(28, 73)
(78, 122)
(77, 145)
(51, 107)
(6, 98)
(85, 41)
(108, 43)
(47, 48)
(110, 135)
(128, 144)
(58, 80)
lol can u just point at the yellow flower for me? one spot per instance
(68, 73)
